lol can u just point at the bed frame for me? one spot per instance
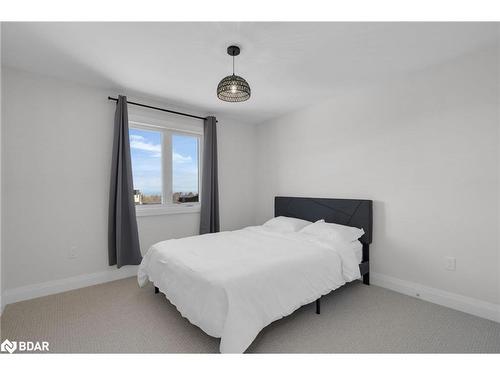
(353, 212)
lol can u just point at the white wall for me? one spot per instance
(56, 157)
(425, 148)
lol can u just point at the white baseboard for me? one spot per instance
(454, 301)
(459, 302)
(62, 285)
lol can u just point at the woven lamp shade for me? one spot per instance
(233, 88)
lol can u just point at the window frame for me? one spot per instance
(168, 130)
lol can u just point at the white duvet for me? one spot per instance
(233, 284)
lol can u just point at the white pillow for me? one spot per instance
(286, 224)
(335, 232)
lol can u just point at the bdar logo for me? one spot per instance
(8, 346)
(24, 346)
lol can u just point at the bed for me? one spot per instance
(233, 284)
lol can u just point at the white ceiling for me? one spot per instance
(288, 65)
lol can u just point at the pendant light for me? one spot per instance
(233, 88)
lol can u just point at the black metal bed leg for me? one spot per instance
(157, 290)
(366, 278)
(318, 306)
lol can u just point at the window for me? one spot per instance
(165, 169)
(185, 168)
(146, 151)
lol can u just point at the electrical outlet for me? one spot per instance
(451, 263)
(72, 253)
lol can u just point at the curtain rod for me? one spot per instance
(160, 109)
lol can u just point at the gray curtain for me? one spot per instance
(209, 220)
(123, 237)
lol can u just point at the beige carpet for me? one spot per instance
(121, 317)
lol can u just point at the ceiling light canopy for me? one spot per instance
(233, 88)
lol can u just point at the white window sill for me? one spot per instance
(164, 209)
